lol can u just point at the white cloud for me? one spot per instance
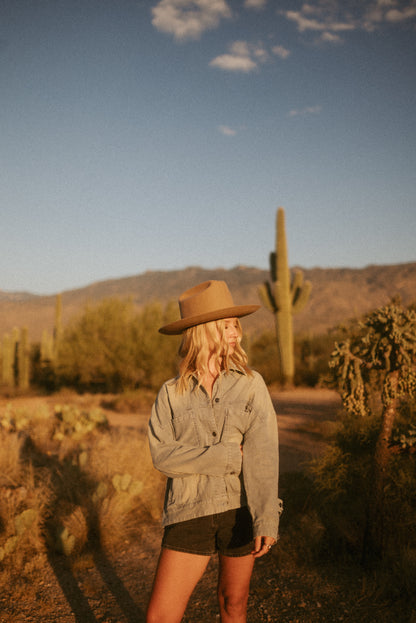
(280, 51)
(309, 110)
(255, 4)
(188, 19)
(227, 131)
(241, 57)
(330, 37)
(397, 15)
(322, 22)
(332, 17)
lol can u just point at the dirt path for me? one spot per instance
(115, 589)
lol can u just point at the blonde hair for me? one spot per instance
(201, 343)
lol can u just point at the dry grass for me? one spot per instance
(67, 489)
(10, 463)
(101, 489)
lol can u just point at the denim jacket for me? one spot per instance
(195, 441)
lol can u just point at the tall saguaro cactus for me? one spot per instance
(58, 318)
(284, 297)
(7, 374)
(23, 359)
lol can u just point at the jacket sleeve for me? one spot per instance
(261, 463)
(174, 459)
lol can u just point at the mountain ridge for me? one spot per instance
(338, 294)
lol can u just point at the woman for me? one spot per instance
(213, 433)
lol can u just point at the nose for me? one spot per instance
(234, 332)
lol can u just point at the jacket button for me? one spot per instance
(214, 434)
(217, 400)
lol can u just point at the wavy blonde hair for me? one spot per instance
(204, 341)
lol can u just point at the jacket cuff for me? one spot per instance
(267, 529)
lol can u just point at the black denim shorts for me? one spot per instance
(229, 533)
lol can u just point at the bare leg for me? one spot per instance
(176, 576)
(233, 587)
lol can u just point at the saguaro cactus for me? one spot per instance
(7, 373)
(23, 359)
(284, 297)
(57, 333)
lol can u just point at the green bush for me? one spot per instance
(312, 353)
(264, 357)
(111, 347)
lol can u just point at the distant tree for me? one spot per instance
(156, 353)
(312, 353)
(112, 347)
(264, 357)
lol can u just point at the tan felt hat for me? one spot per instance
(207, 301)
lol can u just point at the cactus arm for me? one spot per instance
(266, 297)
(301, 297)
(273, 264)
(297, 284)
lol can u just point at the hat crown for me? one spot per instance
(206, 302)
(205, 298)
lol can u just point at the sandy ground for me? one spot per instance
(115, 589)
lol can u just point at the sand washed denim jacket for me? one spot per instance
(195, 441)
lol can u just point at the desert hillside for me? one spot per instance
(338, 294)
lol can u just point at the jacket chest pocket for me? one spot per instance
(236, 422)
(185, 428)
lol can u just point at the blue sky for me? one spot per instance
(159, 135)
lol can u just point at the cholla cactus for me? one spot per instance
(382, 355)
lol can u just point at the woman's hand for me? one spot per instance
(262, 545)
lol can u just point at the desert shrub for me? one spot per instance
(264, 357)
(23, 501)
(342, 485)
(128, 491)
(111, 347)
(342, 482)
(130, 401)
(301, 529)
(365, 483)
(10, 464)
(312, 353)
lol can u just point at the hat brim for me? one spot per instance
(238, 311)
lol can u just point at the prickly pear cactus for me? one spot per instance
(125, 483)
(65, 541)
(75, 423)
